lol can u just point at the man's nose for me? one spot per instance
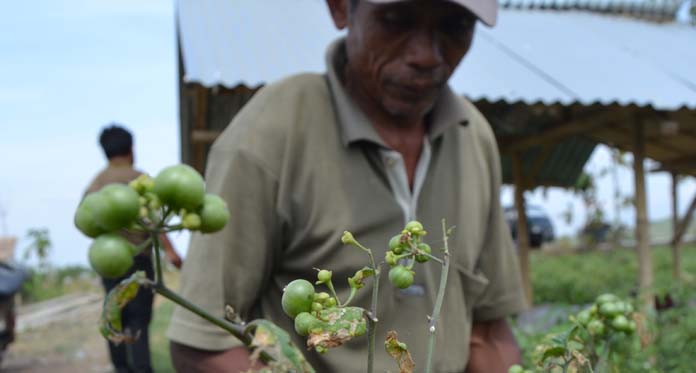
(424, 51)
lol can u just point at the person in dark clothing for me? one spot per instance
(117, 144)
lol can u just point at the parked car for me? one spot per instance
(538, 225)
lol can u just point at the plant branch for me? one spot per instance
(438, 301)
(372, 314)
(353, 291)
(154, 236)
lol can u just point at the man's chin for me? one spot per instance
(407, 110)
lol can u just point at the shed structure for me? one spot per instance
(554, 79)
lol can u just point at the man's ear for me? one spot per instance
(339, 12)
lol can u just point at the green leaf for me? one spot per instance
(110, 324)
(399, 352)
(276, 342)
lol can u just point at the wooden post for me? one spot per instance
(676, 249)
(522, 232)
(645, 270)
(683, 225)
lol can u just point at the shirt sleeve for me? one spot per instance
(504, 295)
(232, 266)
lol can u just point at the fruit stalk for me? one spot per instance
(438, 301)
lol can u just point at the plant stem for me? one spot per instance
(156, 257)
(235, 330)
(329, 285)
(372, 316)
(372, 320)
(353, 291)
(438, 302)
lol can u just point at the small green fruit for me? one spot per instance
(401, 277)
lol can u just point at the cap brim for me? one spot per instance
(485, 10)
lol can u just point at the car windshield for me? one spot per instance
(535, 212)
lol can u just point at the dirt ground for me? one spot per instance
(69, 344)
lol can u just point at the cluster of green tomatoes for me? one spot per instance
(145, 205)
(406, 246)
(607, 313)
(321, 314)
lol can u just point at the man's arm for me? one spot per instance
(193, 360)
(492, 347)
(169, 251)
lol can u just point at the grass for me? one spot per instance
(577, 278)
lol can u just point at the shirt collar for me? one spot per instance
(447, 112)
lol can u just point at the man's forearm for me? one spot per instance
(192, 360)
(492, 348)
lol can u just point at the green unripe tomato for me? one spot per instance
(180, 187)
(584, 317)
(595, 327)
(424, 247)
(321, 297)
(84, 217)
(316, 307)
(324, 276)
(111, 255)
(390, 258)
(606, 298)
(414, 227)
(304, 322)
(516, 369)
(610, 309)
(214, 214)
(620, 323)
(401, 277)
(191, 221)
(631, 326)
(298, 296)
(116, 207)
(395, 244)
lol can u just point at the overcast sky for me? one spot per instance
(69, 67)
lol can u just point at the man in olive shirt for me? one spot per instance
(377, 141)
(117, 144)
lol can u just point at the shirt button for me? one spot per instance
(391, 162)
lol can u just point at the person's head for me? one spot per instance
(401, 53)
(116, 141)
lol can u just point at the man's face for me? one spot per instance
(401, 55)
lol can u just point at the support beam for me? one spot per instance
(204, 136)
(676, 249)
(645, 270)
(522, 232)
(555, 134)
(684, 224)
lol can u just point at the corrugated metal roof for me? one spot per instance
(531, 56)
(638, 8)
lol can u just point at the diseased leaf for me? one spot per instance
(399, 352)
(336, 327)
(357, 281)
(110, 324)
(550, 352)
(276, 342)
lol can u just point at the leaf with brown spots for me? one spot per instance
(399, 352)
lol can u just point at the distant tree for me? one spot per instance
(39, 247)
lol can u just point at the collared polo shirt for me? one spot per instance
(299, 165)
